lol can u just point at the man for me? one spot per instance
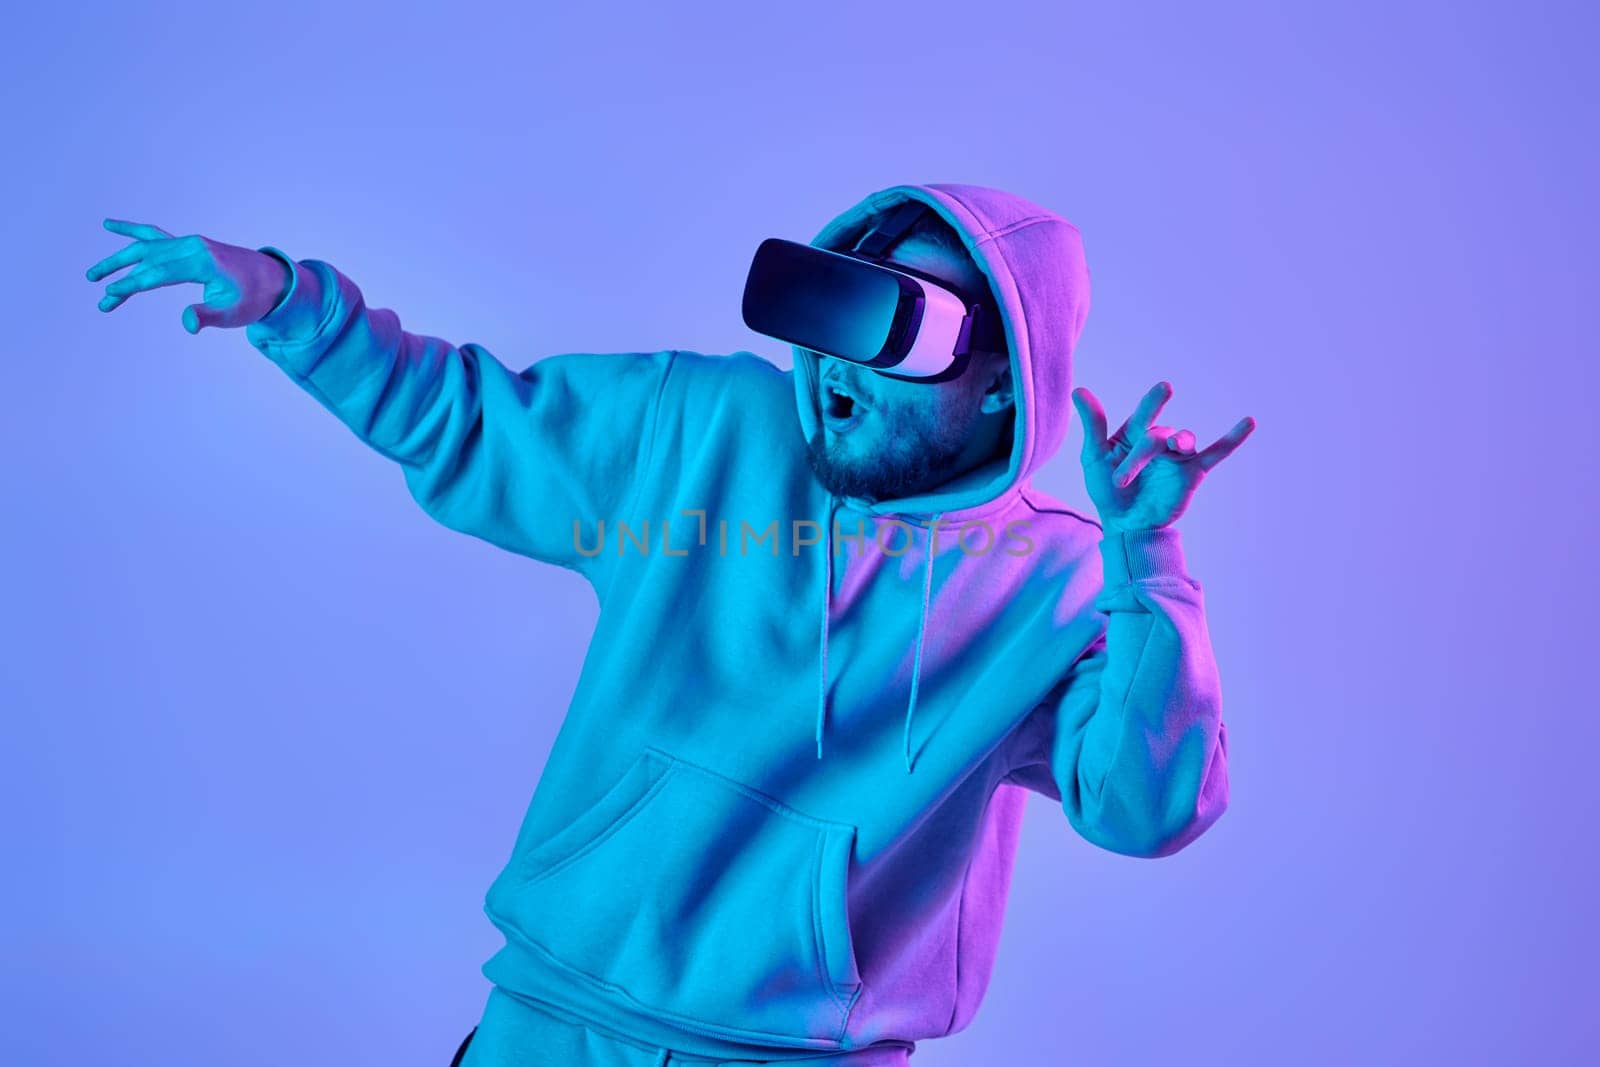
(840, 634)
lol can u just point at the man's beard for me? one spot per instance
(911, 463)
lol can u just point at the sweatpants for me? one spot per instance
(515, 1033)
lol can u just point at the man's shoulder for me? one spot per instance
(1047, 510)
(741, 382)
(1066, 531)
(731, 368)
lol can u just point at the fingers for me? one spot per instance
(149, 276)
(1223, 447)
(1159, 439)
(135, 229)
(117, 260)
(151, 244)
(147, 241)
(1151, 443)
(1093, 416)
(1149, 406)
(1147, 441)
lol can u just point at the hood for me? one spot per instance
(1034, 262)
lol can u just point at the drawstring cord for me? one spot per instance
(922, 629)
(827, 603)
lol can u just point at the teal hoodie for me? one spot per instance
(780, 815)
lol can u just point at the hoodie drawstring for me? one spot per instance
(922, 629)
(827, 602)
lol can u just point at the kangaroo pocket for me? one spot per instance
(698, 900)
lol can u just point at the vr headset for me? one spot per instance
(850, 305)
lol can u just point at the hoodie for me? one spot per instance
(779, 819)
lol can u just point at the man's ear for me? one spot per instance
(997, 395)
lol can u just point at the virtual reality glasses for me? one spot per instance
(849, 305)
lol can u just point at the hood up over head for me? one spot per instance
(1034, 263)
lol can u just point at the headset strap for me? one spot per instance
(875, 244)
(977, 328)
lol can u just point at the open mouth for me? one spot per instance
(840, 402)
(841, 407)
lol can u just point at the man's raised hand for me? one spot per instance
(241, 284)
(1143, 476)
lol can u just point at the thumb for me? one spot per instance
(198, 316)
(1093, 418)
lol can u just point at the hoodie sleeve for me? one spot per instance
(528, 461)
(1132, 741)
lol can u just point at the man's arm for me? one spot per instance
(1132, 741)
(512, 458)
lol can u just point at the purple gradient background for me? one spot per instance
(269, 730)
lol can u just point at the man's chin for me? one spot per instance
(833, 468)
(843, 474)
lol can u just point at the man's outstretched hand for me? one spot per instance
(241, 284)
(1142, 477)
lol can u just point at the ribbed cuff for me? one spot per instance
(299, 312)
(1129, 555)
